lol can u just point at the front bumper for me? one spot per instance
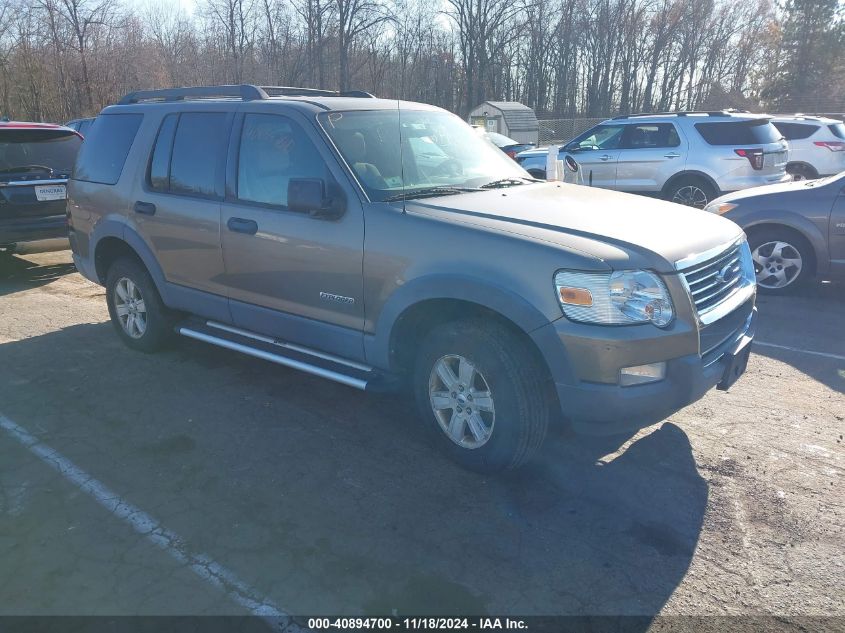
(603, 407)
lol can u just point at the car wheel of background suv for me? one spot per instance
(690, 191)
(141, 319)
(800, 171)
(481, 394)
(782, 260)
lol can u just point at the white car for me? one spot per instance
(816, 145)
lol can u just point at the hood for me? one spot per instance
(783, 187)
(623, 230)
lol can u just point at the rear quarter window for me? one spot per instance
(796, 131)
(106, 147)
(756, 132)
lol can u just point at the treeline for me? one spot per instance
(66, 58)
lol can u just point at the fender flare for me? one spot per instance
(691, 173)
(117, 227)
(509, 305)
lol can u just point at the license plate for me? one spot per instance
(735, 367)
(43, 193)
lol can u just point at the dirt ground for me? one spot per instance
(299, 494)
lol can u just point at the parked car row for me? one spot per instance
(686, 157)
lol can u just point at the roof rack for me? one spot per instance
(727, 112)
(244, 92)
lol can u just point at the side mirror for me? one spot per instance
(314, 197)
(571, 164)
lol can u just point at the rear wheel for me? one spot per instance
(782, 260)
(691, 191)
(481, 395)
(801, 172)
(140, 318)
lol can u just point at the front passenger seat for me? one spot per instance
(355, 147)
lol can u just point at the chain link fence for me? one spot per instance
(559, 131)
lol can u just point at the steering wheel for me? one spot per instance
(450, 167)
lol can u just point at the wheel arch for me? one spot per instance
(805, 231)
(803, 165)
(113, 240)
(690, 173)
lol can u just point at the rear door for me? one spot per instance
(837, 229)
(35, 165)
(649, 155)
(177, 204)
(597, 151)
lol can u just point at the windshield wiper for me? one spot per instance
(508, 182)
(430, 192)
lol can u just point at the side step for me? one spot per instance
(315, 362)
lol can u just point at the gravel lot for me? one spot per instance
(318, 499)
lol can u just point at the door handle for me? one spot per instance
(242, 225)
(145, 208)
(605, 157)
(672, 155)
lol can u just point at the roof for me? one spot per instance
(27, 125)
(517, 116)
(795, 118)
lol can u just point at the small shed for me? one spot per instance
(510, 118)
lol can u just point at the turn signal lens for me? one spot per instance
(719, 208)
(576, 296)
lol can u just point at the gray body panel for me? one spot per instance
(341, 286)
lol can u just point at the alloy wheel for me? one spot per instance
(777, 264)
(461, 401)
(690, 196)
(130, 308)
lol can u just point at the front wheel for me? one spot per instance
(481, 395)
(781, 260)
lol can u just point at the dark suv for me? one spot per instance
(35, 162)
(384, 244)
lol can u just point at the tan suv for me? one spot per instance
(390, 247)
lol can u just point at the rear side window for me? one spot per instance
(838, 129)
(796, 131)
(106, 147)
(650, 135)
(188, 152)
(48, 152)
(739, 132)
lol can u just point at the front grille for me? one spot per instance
(713, 281)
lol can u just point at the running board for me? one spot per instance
(314, 362)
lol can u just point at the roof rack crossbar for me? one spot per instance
(244, 92)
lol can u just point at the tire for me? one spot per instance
(783, 260)
(152, 328)
(800, 171)
(690, 191)
(514, 417)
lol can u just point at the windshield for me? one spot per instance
(838, 129)
(432, 151)
(38, 150)
(500, 140)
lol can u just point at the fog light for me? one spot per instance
(641, 374)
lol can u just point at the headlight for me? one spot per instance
(720, 208)
(620, 298)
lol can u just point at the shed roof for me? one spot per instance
(518, 116)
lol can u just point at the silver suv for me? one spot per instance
(388, 246)
(687, 157)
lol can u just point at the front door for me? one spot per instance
(597, 152)
(289, 274)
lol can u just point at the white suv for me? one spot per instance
(687, 157)
(816, 145)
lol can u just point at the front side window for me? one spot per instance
(273, 150)
(600, 137)
(427, 152)
(650, 135)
